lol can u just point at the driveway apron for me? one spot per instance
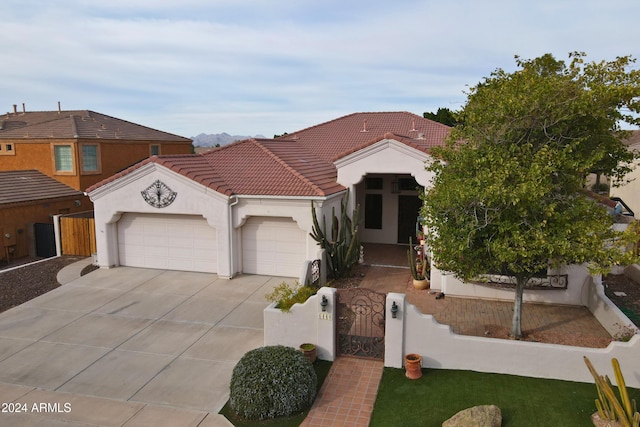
(129, 346)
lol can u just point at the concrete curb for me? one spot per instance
(72, 271)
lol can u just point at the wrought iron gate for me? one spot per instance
(360, 324)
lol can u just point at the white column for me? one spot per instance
(326, 343)
(394, 331)
(56, 233)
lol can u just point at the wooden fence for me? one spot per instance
(78, 236)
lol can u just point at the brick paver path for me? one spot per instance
(347, 395)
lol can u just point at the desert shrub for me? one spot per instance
(272, 381)
(285, 295)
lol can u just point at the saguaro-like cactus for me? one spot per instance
(343, 246)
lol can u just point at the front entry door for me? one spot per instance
(408, 211)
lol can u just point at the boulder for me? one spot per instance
(478, 416)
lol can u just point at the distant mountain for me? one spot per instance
(210, 140)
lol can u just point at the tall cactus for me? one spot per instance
(343, 247)
(609, 407)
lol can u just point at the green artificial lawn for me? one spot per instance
(524, 402)
(322, 370)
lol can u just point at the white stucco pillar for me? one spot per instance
(394, 331)
(326, 343)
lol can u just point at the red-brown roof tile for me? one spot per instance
(301, 163)
(344, 135)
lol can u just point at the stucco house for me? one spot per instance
(246, 207)
(79, 147)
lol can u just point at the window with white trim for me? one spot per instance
(63, 158)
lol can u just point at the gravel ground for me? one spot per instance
(22, 284)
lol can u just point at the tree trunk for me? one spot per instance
(516, 324)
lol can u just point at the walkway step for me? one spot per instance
(347, 395)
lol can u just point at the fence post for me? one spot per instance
(394, 330)
(56, 233)
(326, 324)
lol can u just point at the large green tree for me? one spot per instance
(444, 116)
(507, 194)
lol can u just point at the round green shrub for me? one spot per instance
(272, 381)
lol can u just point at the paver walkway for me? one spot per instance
(347, 395)
(478, 317)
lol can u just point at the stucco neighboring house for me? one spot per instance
(246, 207)
(80, 147)
(630, 192)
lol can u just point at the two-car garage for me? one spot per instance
(269, 245)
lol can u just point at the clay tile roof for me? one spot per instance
(193, 166)
(31, 185)
(276, 168)
(346, 134)
(83, 124)
(301, 163)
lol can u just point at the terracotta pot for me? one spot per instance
(413, 366)
(309, 351)
(421, 284)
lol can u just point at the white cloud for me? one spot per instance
(249, 66)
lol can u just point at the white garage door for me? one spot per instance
(169, 242)
(273, 246)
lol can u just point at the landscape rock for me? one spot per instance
(478, 416)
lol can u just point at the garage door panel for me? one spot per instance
(274, 246)
(173, 242)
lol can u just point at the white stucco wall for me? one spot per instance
(413, 332)
(225, 214)
(298, 209)
(124, 195)
(384, 157)
(575, 294)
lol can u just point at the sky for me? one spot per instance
(265, 67)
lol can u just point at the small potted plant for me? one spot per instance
(309, 351)
(419, 266)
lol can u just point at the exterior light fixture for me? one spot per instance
(394, 310)
(324, 302)
(395, 185)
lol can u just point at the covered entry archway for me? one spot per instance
(390, 205)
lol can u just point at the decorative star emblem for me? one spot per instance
(159, 195)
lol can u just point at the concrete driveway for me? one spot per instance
(129, 347)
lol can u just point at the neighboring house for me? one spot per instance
(246, 207)
(630, 191)
(79, 148)
(28, 199)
